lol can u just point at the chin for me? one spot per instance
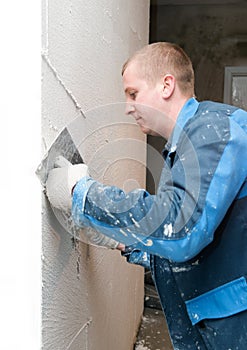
(149, 132)
(145, 130)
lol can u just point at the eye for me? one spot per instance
(132, 95)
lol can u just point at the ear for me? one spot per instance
(168, 85)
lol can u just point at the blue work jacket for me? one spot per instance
(193, 232)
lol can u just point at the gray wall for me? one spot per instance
(214, 36)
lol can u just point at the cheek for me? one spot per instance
(143, 100)
(147, 102)
(148, 105)
(150, 98)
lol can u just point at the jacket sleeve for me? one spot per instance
(199, 181)
(110, 210)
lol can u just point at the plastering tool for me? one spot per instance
(63, 146)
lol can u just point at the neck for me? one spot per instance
(172, 111)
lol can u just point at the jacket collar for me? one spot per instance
(187, 112)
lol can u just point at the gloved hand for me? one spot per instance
(61, 181)
(99, 239)
(59, 186)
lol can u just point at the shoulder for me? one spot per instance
(210, 123)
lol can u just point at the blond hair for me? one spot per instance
(157, 59)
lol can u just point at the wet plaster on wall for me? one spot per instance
(92, 299)
(57, 77)
(115, 24)
(62, 317)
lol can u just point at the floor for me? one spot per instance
(153, 333)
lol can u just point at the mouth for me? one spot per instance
(137, 117)
(139, 122)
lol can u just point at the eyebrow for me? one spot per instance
(128, 89)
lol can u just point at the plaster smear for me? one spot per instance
(140, 346)
(68, 92)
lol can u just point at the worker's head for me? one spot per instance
(158, 59)
(155, 76)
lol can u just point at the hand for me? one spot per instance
(99, 239)
(61, 180)
(121, 247)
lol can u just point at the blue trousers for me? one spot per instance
(228, 333)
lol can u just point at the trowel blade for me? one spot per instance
(62, 146)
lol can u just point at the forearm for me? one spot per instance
(110, 210)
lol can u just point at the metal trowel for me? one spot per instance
(62, 146)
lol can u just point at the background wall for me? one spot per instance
(212, 33)
(92, 299)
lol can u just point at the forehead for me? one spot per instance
(132, 76)
(132, 69)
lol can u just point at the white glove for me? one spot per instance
(99, 239)
(61, 181)
(59, 185)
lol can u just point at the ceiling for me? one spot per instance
(198, 2)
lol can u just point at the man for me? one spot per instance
(193, 232)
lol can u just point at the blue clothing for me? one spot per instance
(193, 232)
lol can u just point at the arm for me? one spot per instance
(193, 197)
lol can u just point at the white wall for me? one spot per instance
(92, 299)
(20, 189)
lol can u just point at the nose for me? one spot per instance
(129, 108)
